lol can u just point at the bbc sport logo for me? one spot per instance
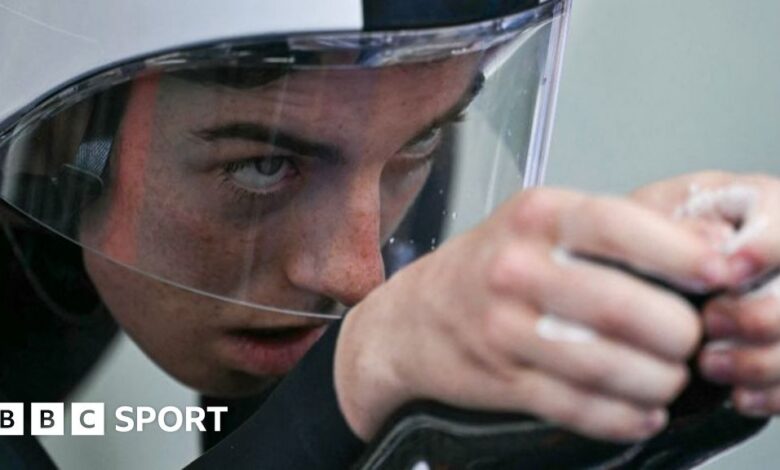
(89, 419)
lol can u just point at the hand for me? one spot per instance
(462, 325)
(743, 331)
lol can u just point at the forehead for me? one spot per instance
(324, 97)
(248, 81)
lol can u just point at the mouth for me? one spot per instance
(269, 351)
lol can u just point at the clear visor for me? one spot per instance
(291, 176)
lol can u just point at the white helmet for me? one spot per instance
(241, 149)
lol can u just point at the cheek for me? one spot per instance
(398, 194)
(167, 323)
(135, 301)
(207, 254)
(177, 330)
(184, 230)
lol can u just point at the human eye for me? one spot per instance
(423, 145)
(261, 175)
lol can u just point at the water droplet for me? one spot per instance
(392, 240)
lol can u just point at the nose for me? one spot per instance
(338, 254)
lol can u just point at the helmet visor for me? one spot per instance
(291, 175)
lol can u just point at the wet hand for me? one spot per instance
(505, 318)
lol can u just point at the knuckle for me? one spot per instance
(510, 269)
(593, 373)
(504, 269)
(534, 205)
(611, 317)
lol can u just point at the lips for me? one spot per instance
(269, 351)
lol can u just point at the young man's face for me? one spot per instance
(279, 195)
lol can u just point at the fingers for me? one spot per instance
(645, 240)
(715, 233)
(748, 365)
(753, 317)
(751, 205)
(570, 406)
(759, 402)
(631, 311)
(667, 195)
(615, 304)
(748, 328)
(588, 413)
(600, 365)
(625, 231)
(745, 351)
(756, 245)
(748, 203)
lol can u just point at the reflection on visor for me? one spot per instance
(295, 189)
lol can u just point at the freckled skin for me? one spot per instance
(170, 212)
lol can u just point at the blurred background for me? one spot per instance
(650, 89)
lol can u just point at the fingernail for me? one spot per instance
(719, 325)
(743, 268)
(718, 365)
(716, 271)
(655, 420)
(752, 401)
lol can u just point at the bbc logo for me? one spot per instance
(48, 419)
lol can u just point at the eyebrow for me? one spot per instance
(330, 153)
(260, 133)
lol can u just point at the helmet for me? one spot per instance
(285, 156)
